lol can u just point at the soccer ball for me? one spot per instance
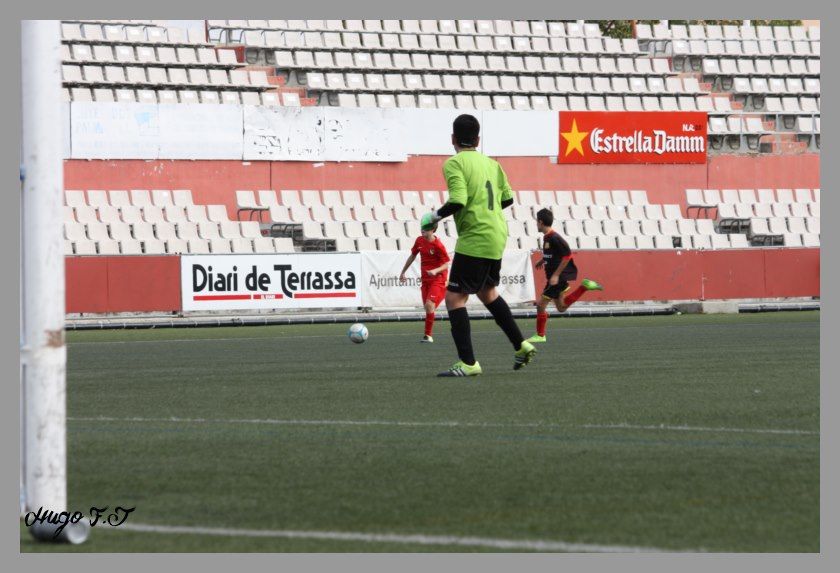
(358, 333)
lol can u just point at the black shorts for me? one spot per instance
(556, 291)
(468, 275)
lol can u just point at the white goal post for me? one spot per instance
(42, 352)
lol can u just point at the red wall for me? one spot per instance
(152, 283)
(123, 284)
(213, 182)
(698, 275)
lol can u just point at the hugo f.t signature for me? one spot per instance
(98, 515)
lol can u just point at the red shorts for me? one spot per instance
(433, 291)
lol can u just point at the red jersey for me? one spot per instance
(432, 255)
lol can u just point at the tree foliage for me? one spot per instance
(624, 28)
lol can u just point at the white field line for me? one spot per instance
(244, 338)
(441, 424)
(557, 332)
(697, 429)
(451, 540)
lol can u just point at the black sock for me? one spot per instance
(501, 312)
(459, 321)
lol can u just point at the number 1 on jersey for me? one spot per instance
(489, 195)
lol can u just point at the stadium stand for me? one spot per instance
(338, 220)
(771, 73)
(469, 64)
(140, 61)
(764, 217)
(767, 77)
(760, 86)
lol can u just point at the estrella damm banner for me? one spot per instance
(632, 137)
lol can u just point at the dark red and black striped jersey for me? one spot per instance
(555, 251)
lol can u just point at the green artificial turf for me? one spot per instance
(260, 439)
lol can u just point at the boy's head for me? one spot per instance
(465, 130)
(545, 219)
(427, 226)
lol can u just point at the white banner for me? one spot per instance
(65, 128)
(520, 133)
(200, 131)
(114, 130)
(382, 289)
(311, 133)
(429, 131)
(281, 281)
(284, 133)
(373, 134)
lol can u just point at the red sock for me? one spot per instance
(430, 322)
(542, 319)
(572, 298)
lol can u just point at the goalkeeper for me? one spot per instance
(478, 191)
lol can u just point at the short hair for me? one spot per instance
(466, 128)
(545, 217)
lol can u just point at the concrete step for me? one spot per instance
(784, 146)
(269, 70)
(301, 92)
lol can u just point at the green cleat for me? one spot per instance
(461, 369)
(589, 284)
(427, 338)
(524, 355)
(535, 338)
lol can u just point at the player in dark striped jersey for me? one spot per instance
(560, 269)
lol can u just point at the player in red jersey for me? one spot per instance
(434, 262)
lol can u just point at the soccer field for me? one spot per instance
(670, 433)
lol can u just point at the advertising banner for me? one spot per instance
(368, 279)
(278, 281)
(382, 288)
(632, 137)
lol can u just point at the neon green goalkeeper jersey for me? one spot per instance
(480, 185)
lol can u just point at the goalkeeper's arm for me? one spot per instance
(452, 208)
(447, 209)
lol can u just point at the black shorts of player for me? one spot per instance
(556, 291)
(469, 275)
